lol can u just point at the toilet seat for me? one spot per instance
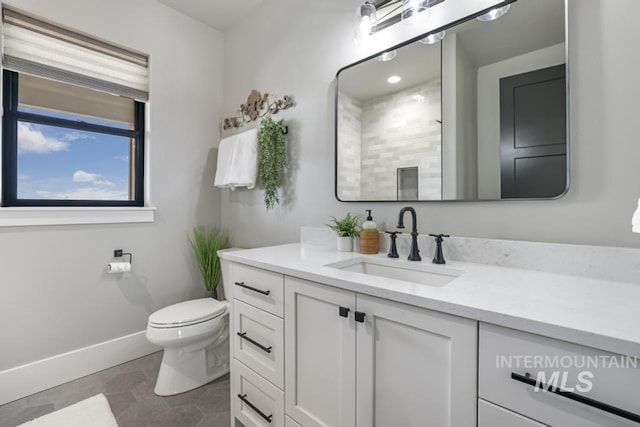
(187, 313)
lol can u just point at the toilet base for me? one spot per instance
(184, 369)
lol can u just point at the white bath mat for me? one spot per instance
(94, 411)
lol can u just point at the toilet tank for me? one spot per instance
(226, 274)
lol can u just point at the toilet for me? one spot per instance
(195, 338)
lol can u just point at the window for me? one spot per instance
(69, 145)
(74, 115)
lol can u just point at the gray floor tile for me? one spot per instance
(220, 419)
(129, 390)
(182, 399)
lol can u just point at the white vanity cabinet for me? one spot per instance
(357, 360)
(512, 362)
(257, 347)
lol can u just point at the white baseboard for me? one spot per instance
(31, 378)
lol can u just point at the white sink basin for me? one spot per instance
(408, 271)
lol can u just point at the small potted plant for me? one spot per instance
(346, 228)
(205, 244)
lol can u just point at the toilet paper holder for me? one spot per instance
(117, 253)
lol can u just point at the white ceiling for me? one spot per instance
(219, 14)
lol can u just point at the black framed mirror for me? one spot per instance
(477, 110)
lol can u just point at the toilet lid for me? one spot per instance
(188, 312)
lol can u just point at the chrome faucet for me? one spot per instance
(414, 252)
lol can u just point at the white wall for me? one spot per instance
(458, 121)
(55, 293)
(489, 110)
(349, 160)
(293, 47)
(399, 131)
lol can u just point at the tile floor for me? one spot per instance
(129, 389)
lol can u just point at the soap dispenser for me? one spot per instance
(369, 236)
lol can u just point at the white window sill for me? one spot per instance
(29, 216)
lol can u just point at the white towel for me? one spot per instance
(635, 220)
(238, 161)
(244, 162)
(225, 152)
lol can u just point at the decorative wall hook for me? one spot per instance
(257, 106)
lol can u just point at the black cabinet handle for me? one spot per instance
(244, 336)
(359, 316)
(243, 397)
(528, 379)
(260, 291)
(344, 312)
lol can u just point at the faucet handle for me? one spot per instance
(439, 236)
(438, 257)
(393, 251)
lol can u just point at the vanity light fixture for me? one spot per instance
(387, 56)
(365, 18)
(413, 7)
(433, 38)
(394, 79)
(494, 14)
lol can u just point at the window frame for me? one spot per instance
(10, 120)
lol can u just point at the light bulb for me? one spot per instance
(494, 14)
(387, 56)
(394, 79)
(433, 38)
(365, 18)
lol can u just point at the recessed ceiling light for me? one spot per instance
(394, 79)
(494, 14)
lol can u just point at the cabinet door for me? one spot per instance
(320, 354)
(415, 367)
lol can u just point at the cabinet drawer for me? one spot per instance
(259, 341)
(256, 402)
(490, 415)
(512, 362)
(260, 288)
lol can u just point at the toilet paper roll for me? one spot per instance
(118, 267)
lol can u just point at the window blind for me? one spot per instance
(36, 47)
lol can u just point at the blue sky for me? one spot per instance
(58, 163)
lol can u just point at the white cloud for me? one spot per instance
(75, 135)
(82, 176)
(94, 178)
(103, 182)
(89, 193)
(31, 140)
(123, 158)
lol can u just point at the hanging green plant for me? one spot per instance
(272, 158)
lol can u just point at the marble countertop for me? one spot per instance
(598, 313)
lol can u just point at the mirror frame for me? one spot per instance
(436, 30)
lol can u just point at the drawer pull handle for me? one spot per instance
(359, 316)
(244, 336)
(243, 397)
(260, 291)
(528, 379)
(344, 312)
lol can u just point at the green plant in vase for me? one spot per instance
(346, 228)
(205, 244)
